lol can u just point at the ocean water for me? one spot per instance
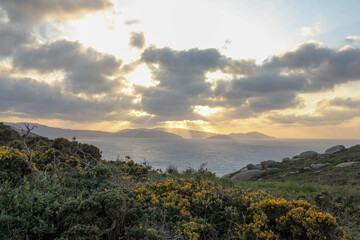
(221, 156)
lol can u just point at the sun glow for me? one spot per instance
(140, 113)
(141, 76)
(205, 110)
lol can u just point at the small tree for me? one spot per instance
(25, 133)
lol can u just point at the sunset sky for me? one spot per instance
(285, 68)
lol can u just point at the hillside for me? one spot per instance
(330, 180)
(219, 136)
(145, 133)
(62, 189)
(52, 132)
(249, 136)
(186, 133)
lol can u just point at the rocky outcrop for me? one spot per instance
(285, 160)
(308, 154)
(296, 158)
(346, 164)
(335, 149)
(355, 146)
(266, 164)
(319, 165)
(247, 175)
(252, 167)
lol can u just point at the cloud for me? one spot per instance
(322, 67)
(328, 112)
(352, 39)
(87, 70)
(132, 22)
(253, 89)
(307, 55)
(31, 11)
(137, 40)
(13, 36)
(181, 77)
(277, 82)
(26, 97)
(312, 30)
(277, 101)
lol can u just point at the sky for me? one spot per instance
(290, 69)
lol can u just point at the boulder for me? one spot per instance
(346, 164)
(355, 146)
(285, 160)
(308, 154)
(335, 149)
(248, 175)
(319, 165)
(251, 166)
(266, 164)
(296, 158)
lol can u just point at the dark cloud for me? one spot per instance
(137, 40)
(241, 67)
(30, 11)
(12, 36)
(132, 21)
(308, 55)
(349, 103)
(277, 101)
(276, 83)
(166, 102)
(27, 97)
(87, 71)
(270, 82)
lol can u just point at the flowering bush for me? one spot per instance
(200, 209)
(13, 164)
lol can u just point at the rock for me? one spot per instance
(266, 164)
(319, 165)
(307, 168)
(226, 175)
(346, 164)
(247, 175)
(335, 149)
(296, 158)
(285, 160)
(308, 154)
(251, 166)
(355, 146)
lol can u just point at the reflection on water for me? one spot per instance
(221, 156)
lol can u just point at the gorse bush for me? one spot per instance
(200, 209)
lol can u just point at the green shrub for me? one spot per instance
(28, 211)
(102, 213)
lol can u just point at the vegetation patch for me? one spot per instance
(61, 189)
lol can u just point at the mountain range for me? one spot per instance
(168, 133)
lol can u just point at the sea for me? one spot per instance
(221, 156)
